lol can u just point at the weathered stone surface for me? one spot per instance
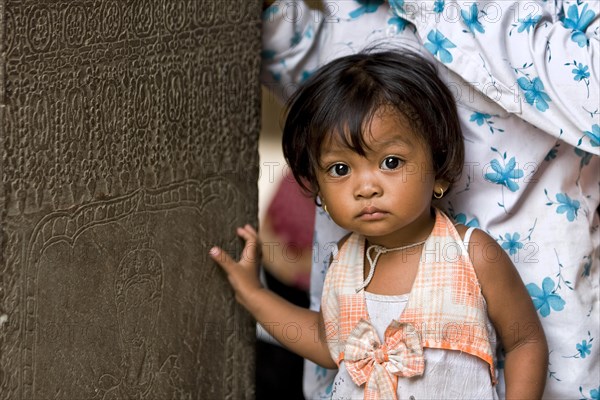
(128, 143)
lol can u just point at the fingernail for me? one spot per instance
(214, 251)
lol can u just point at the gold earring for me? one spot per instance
(325, 208)
(440, 194)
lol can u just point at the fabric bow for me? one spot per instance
(379, 365)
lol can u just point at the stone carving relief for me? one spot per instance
(128, 142)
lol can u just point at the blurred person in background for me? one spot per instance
(286, 233)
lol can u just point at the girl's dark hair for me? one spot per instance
(343, 96)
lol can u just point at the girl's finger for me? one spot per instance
(247, 233)
(251, 252)
(222, 258)
(251, 229)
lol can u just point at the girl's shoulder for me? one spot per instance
(487, 257)
(475, 236)
(483, 250)
(462, 230)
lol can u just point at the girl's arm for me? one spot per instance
(511, 311)
(299, 329)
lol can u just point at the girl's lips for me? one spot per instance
(371, 213)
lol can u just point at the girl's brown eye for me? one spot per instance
(338, 170)
(390, 163)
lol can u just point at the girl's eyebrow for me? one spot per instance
(337, 150)
(396, 141)
(335, 146)
(333, 153)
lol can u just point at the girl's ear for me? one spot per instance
(317, 200)
(440, 187)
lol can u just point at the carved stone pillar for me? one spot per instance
(128, 143)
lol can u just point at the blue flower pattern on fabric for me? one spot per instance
(276, 76)
(552, 153)
(367, 6)
(397, 5)
(438, 45)
(320, 371)
(585, 160)
(505, 175)
(512, 243)
(566, 205)
(398, 23)
(587, 267)
(581, 72)
(525, 24)
(479, 118)
(309, 32)
(534, 93)
(305, 75)
(594, 394)
(544, 299)
(329, 389)
(471, 19)
(267, 54)
(584, 348)
(578, 23)
(270, 12)
(438, 6)
(483, 118)
(462, 219)
(296, 39)
(528, 22)
(594, 135)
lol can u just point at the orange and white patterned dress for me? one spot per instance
(437, 341)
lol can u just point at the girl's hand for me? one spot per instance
(267, 308)
(242, 275)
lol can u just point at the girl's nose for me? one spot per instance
(368, 187)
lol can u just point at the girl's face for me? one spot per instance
(386, 195)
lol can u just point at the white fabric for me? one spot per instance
(529, 104)
(467, 237)
(448, 374)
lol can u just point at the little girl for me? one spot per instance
(412, 303)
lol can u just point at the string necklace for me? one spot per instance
(379, 250)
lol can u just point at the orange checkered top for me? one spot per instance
(445, 308)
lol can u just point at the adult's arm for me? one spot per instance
(536, 59)
(297, 39)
